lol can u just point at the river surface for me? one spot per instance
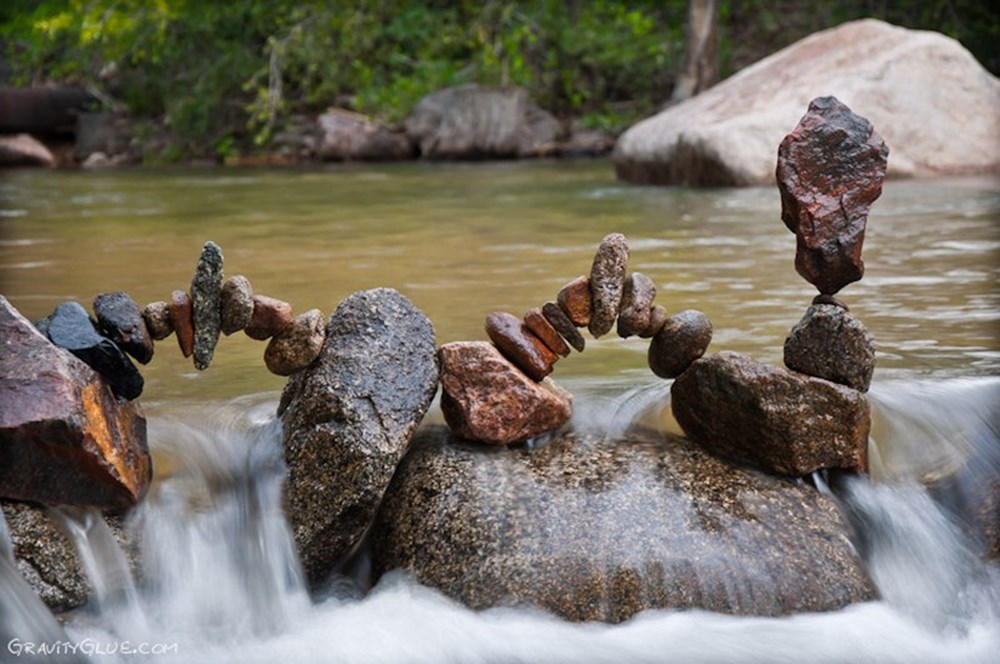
(464, 240)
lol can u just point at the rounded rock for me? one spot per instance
(574, 299)
(157, 318)
(683, 339)
(607, 283)
(829, 343)
(237, 304)
(519, 345)
(119, 319)
(270, 317)
(298, 345)
(635, 309)
(657, 317)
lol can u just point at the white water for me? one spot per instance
(220, 582)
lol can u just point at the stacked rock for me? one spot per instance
(500, 393)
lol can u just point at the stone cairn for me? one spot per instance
(196, 317)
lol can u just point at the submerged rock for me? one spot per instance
(519, 345)
(607, 282)
(487, 399)
(596, 529)
(830, 343)
(681, 339)
(206, 304)
(347, 421)
(120, 320)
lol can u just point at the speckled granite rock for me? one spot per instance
(594, 529)
(206, 301)
(119, 319)
(347, 421)
(830, 343)
(607, 282)
(237, 304)
(575, 301)
(298, 345)
(682, 339)
(636, 304)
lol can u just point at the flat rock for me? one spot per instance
(607, 282)
(542, 328)
(636, 304)
(682, 339)
(575, 301)
(519, 345)
(64, 437)
(563, 325)
(485, 398)
(298, 345)
(270, 317)
(206, 304)
(597, 529)
(830, 171)
(237, 304)
(348, 418)
(657, 319)
(182, 320)
(830, 343)
(120, 320)
(773, 419)
(156, 315)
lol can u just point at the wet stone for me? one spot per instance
(830, 343)
(182, 321)
(120, 320)
(270, 317)
(519, 345)
(237, 304)
(156, 315)
(637, 300)
(206, 287)
(575, 301)
(683, 338)
(607, 283)
(542, 328)
(657, 318)
(298, 345)
(563, 325)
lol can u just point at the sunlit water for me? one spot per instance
(220, 582)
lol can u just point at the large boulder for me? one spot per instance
(64, 437)
(596, 529)
(348, 418)
(931, 100)
(349, 136)
(477, 122)
(24, 150)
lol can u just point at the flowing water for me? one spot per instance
(220, 582)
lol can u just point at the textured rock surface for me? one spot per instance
(607, 282)
(574, 299)
(830, 171)
(487, 399)
(298, 345)
(120, 320)
(349, 136)
(682, 339)
(830, 343)
(237, 304)
(934, 104)
(348, 419)
(564, 326)
(635, 309)
(64, 438)
(182, 320)
(771, 418)
(657, 319)
(519, 345)
(156, 315)
(594, 529)
(270, 317)
(542, 328)
(206, 304)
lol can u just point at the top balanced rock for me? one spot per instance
(830, 171)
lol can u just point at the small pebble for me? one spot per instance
(516, 342)
(237, 304)
(637, 299)
(270, 317)
(119, 319)
(574, 299)
(298, 345)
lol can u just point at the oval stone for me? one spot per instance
(683, 338)
(607, 283)
(298, 345)
(517, 343)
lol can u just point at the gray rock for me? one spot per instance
(206, 304)
(636, 305)
(119, 318)
(237, 304)
(348, 419)
(682, 339)
(830, 343)
(298, 345)
(607, 283)
(596, 529)
(349, 136)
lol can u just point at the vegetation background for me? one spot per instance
(220, 77)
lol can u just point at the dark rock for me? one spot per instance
(206, 304)
(237, 304)
(607, 282)
(182, 320)
(519, 345)
(830, 171)
(156, 315)
(298, 345)
(485, 398)
(270, 317)
(830, 343)
(64, 438)
(594, 529)
(822, 298)
(348, 419)
(349, 136)
(657, 319)
(23, 150)
(542, 328)
(636, 304)
(575, 301)
(120, 320)
(771, 418)
(683, 338)
(564, 326)
(70, 327)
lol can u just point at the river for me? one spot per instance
(462, 240)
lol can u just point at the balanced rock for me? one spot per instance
(348, 419)
(563, 325)
(298, 345)
(156, 315)
(182, 320)
(771, 418)
(657, 319)
(70, 327)
(64, 438)
(593, 529)
(519, 345)
(487, 399)
(119, 318)
(270, 317)
(636, 305)
(574, 299)
(607, 282)
(206, 304)
(237, 304)
(682, 339)
(830, 343)
(830, 171)
(543, 329)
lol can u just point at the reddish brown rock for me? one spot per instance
(607, 283)
(542, 328)
(682, 339)
(830, 343)
(237, 304)
(575, 301)
(486, 398)
(182, 320)
(830, 171)
(156, 315)
(657, 318)
(270, 317)
(64, 437)
(771, 418)
(297, 345)
(635, 309)
(519, 345)
(563, 325)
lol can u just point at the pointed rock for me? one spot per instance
(830, 343)
(206, 304)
